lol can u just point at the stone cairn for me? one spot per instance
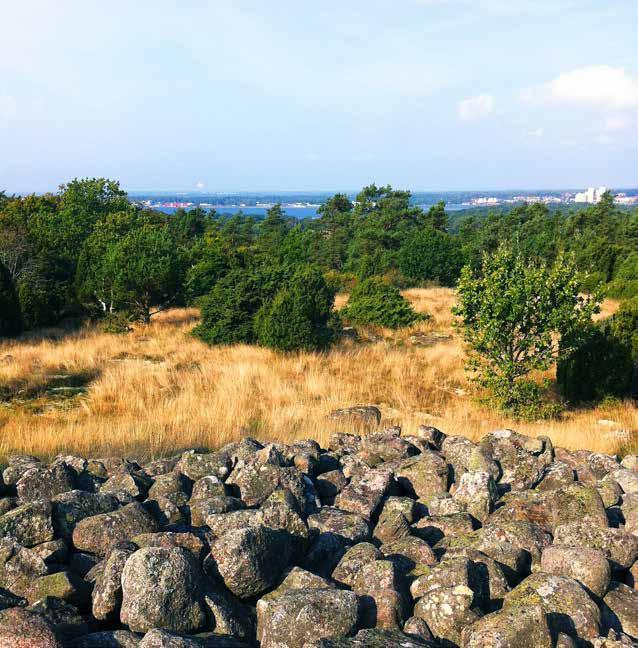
(379, 540)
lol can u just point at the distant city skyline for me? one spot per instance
(244, 95)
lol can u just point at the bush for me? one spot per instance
(432, 255)
(298, 316)
(375, 302)
(599, 366)
(624, 325)
(116, 323)
(39, 302)
(10, 317)
(229, 309)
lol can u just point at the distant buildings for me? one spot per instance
(591, 196)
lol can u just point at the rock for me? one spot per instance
(63, 585)
(72, 507)
(433, 528)
(477, 494)
(519, 627)
(556, 475)
(29, 524)
(281, 511)
(195, 466)
(108, 639)
(42, 483)
(230, 617)
(23, 629)
(18, 465)
(162, 588)
(376, 638)
(19, 567)
(619, 547)
(466, 456)
(588, 566)
(251, 560)
(628, 480)
(348, 526)
(107, 592)
(424, 476)
(64, 618)
(409, 552)
(417, 628)
(98, 533)
(365, 414)
(206, 487)
(385, 446)
(169, 539)
(127, 480)
(620, 610)
(330, 484)
(568, 607)
(163, 639)
(364, 494)
(447, 611)
(353, 561)
(53, 552)
(302, 616)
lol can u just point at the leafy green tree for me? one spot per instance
(515, 317)
(298, 316)
(376, 303)
(624, 325)
(431, 255)
(10, 316)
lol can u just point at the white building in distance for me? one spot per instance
(592, 196)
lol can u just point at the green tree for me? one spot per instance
(431, 255)
(375, 302)
(298, 316)
(10, 317)
(515, 317)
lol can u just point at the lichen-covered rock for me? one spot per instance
(519, 627)
(108, 639)
(466, 456)
(157, 638)
(107, 592)
(98, 533)
(19, 567)
(425, 476)
(64, 585)
(71, 507)
(23, 629)
(168, 539)
(568, 607)
(588, 566)
(17, 466)
(162, 588)
(384, 446)
(476, 492)
(620, 610)
(195, 465)
(229, 617)
(366, 414)
(433, 528)
(409, 552)
(251, 560)
(447, 611)
(66, 621)
(329, 484)
(619, 547)
(301, 616)
(364, 493)
(42, 483)
(374, 638)
(29, 524)
(349, 526)
(201, 509)
(556, 475)
(353, 561)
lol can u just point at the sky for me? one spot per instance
(218, 95)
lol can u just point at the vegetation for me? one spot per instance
(516, 319)
(375, 302)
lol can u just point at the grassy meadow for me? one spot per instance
(158, 390)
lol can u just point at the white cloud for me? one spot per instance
(536, 133)
(199, 184)
(476, 107)
(596, 85)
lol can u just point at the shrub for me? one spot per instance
(10, 317)
(116, 323)
(513, 315)
(624, 325)
(229, 309)
(600, 365)
(40, 302)
(375, 302)
(431, 255)
(298, 316)
(625, 282)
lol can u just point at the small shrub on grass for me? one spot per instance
(376, 303)
(116, 323)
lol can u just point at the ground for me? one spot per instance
(158, 390)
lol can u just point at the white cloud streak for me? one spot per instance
(477, 107)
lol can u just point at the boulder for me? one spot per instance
(162, 588)
(23, 629)
(588, 566)
(98, 533)
(42, 483)
(252, 560)
(353, 561)
(424, 476)
(107, 592)
(620, 610)
(302, 616)
(364, 414)
(72, 507)
(364, 493)
(29, 524)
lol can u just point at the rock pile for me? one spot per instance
(379, 540)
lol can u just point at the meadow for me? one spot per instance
(158, 390)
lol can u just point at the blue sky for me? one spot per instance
(240, 95)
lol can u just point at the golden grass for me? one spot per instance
(159, 390)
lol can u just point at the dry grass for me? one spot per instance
(158, 390)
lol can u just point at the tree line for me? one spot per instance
(87, 251)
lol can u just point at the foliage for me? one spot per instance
(431, 255)
(10, 317)
(298, 316)
(513, 315)
(375, 302)
(599, 365)
(624, 325)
